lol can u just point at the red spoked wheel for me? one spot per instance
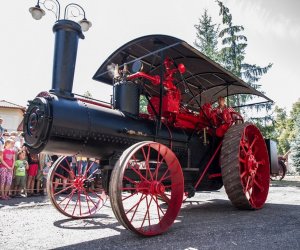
(75, 187)
(245, 166)
(146, 188)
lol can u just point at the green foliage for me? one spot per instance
(207, 37)
(295, 113)
(296, 144)
(282, 130)
(232, 56)
(143, 104)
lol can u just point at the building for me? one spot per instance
(12, 115)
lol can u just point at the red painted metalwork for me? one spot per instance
(97, 103)
(254, 166)
(174, 114)
(212, 176)
(74, 190)
(207, 166)
(148, 189)
(155, 80)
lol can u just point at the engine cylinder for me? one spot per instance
(126, 97)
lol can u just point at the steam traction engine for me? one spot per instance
(150, 158)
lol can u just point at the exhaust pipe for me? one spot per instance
(67, 34)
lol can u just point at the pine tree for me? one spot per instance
(207, 37)
(233, 56)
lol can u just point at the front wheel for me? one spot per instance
(245, 166)
(74, 187)
(146, 188)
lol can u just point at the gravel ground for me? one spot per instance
(206, 221)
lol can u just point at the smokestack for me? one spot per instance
(67, 34)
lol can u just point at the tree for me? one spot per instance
(296, 145)
(233, 55)
(207, 37)
(294, 116)
(282, 130)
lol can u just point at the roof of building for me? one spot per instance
(6, 104)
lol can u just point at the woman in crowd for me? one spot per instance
(7, 162)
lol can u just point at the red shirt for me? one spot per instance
(8, 157)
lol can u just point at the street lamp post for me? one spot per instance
(54, 6)
(67, 34)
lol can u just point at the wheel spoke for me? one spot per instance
(70, 196)
(63, 190)
(79, 198)
(165, 178)
(75, 207)
(147, 161)
(164, 197)
(67, 170)
(136, 206)
(87, 201)
(86, 194)
(130, 180)
(61, 176)
(242, 160)
(244, 173)
(257, 184)
(126, 197)
(88, 168)
(137, 172)
(252, 144)
(159, 162)
(247, 184)
(243, 148)
(158, 208)
(147, 212)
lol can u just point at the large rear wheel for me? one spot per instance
(146, 188)
(75, 187)
(245, 166)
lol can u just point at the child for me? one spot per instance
(7, 159)
(45, 174)
(21, 166)
(33, 161)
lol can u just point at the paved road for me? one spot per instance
(207, 221)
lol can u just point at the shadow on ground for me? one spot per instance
(25, 202)
(213, 224)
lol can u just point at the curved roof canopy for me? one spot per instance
(203, 81)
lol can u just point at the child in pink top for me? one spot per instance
(7, 162)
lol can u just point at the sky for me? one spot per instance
(26, 46)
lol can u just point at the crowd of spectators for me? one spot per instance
(22, 174)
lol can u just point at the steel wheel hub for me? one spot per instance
(79, 183)
(251, 164)
(151, 187)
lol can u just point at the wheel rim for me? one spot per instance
(146, 188)
(254, 166)
(75, 188)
